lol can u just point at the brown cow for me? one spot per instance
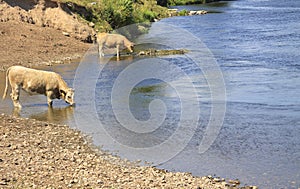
(113, 41)
(37, 82)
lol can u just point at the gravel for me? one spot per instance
(35, 154)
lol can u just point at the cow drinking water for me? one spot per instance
(37, 82)
(113, 41)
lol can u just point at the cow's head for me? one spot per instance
(130, 47)
(68, 96)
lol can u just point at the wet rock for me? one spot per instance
(235, 182)
(199, 12)
(162, 52)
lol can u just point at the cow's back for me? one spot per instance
(33, 81)
(112, 40)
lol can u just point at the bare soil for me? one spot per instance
(40, 32)
(29, 45)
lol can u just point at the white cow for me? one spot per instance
(113, 41)
(37, 82)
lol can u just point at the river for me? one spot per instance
(230, 107)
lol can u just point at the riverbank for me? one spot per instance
(35, 154)
(30, 45)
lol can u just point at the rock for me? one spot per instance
(236, 182)
(3, 183)
(66, 34)
(100, 182)
(73, 181)
(207, 180)
(91, 24)
(192, 13)
(162, 52)
(224, 184)
(199, 12)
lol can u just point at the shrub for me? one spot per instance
(112, 14)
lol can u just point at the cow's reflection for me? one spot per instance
(55, 115)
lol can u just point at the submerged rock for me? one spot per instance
(154, 52)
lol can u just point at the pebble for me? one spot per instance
(236, 182)
(74, 181)
(66, 34)
(91, 24)
(100, 182)
(3, 183)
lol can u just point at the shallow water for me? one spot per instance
(256, 46)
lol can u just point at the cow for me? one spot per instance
(113, 41)
(35, 81)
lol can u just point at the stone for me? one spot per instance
(66, 34)
(236, 182)
(91, 24)
(216, 180)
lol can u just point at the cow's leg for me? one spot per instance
(118, 52)
(15, 95)
(49, 98)
(100, 50)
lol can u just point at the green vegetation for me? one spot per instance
(183, 12)
(108, 15)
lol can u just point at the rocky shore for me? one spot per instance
(35, 154)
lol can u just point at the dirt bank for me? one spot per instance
(28, 45)
(39, 32)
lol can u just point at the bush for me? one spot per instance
(117, 13)
(112, 14)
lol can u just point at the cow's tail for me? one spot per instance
(6, 84)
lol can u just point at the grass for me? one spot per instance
(108, 15)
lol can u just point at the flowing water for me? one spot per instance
(256, 47)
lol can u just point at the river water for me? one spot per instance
(161, 109)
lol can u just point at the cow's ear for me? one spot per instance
(62, 93)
